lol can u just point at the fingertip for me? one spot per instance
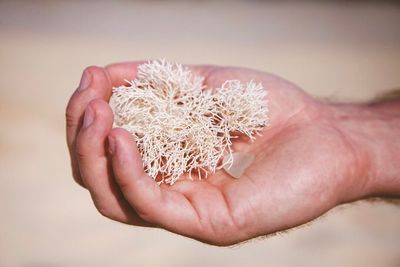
(121, 137)
(121, 133)
(86, 79)
(101, 108)
(95, 71)
(94, 84)
(97, 123)
(88, 117)
(99, 115)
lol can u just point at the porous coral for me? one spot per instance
(182, 127)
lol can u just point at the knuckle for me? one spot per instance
(123, 186)
(80, 152)
(108, 211)
(79, 181)
(70, 117)
(239, 221)
(98, 73)
(80, 99)
(218, 241)
(92, 70)
(73, 110)
(145, 215)
(77, 177)
(221, 239)
(222, 242)
(104, 210)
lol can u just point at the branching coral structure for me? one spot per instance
(180, 126)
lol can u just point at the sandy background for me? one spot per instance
(344, 51)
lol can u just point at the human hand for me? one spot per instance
(304, 164)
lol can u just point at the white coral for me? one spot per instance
(180, 126)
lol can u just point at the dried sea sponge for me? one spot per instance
(181, 127)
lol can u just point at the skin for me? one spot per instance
(312, 157)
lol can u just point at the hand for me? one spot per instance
(304, 164)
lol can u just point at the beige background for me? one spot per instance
(340, 50)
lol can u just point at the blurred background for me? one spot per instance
(341, 50)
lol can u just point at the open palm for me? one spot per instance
(300, 167)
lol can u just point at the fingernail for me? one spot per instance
(111, 144)
(85, 80)
(88, 117)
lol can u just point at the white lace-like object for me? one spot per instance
(181, 127)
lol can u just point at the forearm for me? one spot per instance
(373, 131)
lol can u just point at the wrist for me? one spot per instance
(372, 132)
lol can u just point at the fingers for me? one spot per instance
(94, 165)
(95, 84)
(157, 205)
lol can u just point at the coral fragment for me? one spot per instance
(181, 127)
